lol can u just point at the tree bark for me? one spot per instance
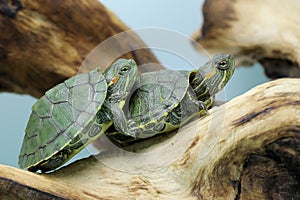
(264, 31)
(247, 148)
(48, 41)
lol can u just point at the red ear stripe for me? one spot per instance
(115, 79)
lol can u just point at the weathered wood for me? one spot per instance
(238, 151)
(48, 41)
(266, 31)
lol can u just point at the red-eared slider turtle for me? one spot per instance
(73, 114)
(164, 100)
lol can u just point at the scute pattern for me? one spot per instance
(58, 94)
(157, 94)
(81, 96)
(42, 107)
(63, 115)
(60, 116)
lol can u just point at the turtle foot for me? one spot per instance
(132, 130)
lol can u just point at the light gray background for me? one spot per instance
(182, 16)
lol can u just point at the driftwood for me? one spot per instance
(247, 148)
(48, 41)
(266, 31)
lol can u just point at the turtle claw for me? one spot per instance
(203, 108)
(131, 124)
(10, 9)
(122, 125)
(133, 129)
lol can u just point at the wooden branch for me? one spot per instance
(48, 41)
(247, 148)
(266, 31)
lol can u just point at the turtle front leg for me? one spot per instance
(203, 108)
(122, 124)
(10, 9)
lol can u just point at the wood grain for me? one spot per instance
(247, 148)
(264, 31)
(49, 40)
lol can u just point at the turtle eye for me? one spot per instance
(124, 70)
(223, 65)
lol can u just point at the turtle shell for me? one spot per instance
(61, 115)
(156, 95)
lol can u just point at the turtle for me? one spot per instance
(164, 100)
(73, 114)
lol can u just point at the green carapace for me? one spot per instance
(118, 103)
(164, 100)
(73, 114)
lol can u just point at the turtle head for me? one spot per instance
(213, 76)
(120, 77)
(224, 65)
